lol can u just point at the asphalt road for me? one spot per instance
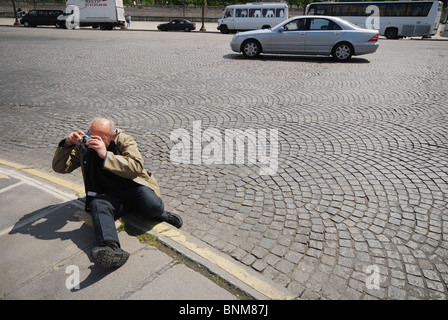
(356, 204)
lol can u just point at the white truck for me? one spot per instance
(105, 14)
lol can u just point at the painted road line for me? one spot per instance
(224, 263)
(37, 173)
(11, 186)
(12, 164)
(61, 182)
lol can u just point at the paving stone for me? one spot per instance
(361, 177)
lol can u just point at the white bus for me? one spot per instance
(252, 16)
(397, 19)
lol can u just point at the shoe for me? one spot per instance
(172, 218)
(109, 255)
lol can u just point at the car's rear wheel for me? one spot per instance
(251, 48)
(342, 51)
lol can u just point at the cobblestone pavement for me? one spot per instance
(358, 205)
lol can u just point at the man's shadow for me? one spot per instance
(61, 222)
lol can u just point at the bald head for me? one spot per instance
(104, 128)
(104, 125)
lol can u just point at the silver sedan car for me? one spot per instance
(310, 35)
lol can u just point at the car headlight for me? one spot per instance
(235, 37)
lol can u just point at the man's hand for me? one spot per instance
(97, 144)
(74, 138)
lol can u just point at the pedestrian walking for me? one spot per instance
(128, 20)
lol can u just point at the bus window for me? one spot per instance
(418, 9)
(382, 8)
(395, 10)
(359, 10)
(340, 10)
(321, 10)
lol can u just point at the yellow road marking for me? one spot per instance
(4, 176)
(12, 164)
(227, 265)
(72, 186)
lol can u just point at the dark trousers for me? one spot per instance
(108, 207)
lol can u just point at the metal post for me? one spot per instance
(203, 9)
(16, 23)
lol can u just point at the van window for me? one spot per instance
(279, 13)
(228, 13)
(33, 13)
(268, 13)
(254, 13)
(241, 13)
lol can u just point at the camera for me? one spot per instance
(85, 139)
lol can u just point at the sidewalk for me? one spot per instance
(135, 25)
(45, 243)
(209, 27)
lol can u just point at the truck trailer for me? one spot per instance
(103, 14)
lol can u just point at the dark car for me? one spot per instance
(40, 17)
(177, 24)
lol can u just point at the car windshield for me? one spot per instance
(279, 25)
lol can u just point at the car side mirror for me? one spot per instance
(281, 29)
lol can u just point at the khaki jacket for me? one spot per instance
(127, 164)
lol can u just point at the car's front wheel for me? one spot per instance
(251, 48)
(342, 51)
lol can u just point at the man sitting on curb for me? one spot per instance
(115, 182)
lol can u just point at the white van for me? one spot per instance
(252, 16)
